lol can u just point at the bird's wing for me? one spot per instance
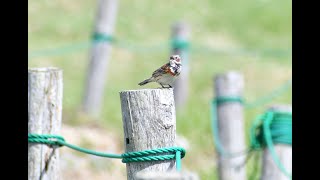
(165, 69)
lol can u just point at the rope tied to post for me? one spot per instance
(272, 127)
(101, 37)
(178, 43)
(159, 154)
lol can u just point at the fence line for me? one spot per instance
(149, 144)
(230, 122)
(99, 57)
(161, 47)
(44, 117)
(270, 132)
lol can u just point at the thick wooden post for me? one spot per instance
(230, 125)
(180, 36)
(167, 176)
(44, 117)
(270, 170)
(100, 53)
(149, 122)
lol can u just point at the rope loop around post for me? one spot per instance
(272, 127)
(269, 128)
(101, 37)
(159, 154)
(179, 44)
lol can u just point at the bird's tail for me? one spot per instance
(145, 82)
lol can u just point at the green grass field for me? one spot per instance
(247, 24)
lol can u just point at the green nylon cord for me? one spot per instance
(214, 125)
(101, 37)
(59, 51)
(271, 95)
(178, 162)
(176, 152)
(179, 44)
(271, 128)
(161, 47)
(266, 130)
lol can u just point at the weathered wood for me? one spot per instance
(167, 176)
(181, 31)
(149, 122)
(230, 126)
(44, 117)
(100, 53)
(270, 170)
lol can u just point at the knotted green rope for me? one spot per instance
(268, 129)
(271, 128)
(176, 153)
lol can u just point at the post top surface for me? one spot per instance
(153, 89)
(44, 69)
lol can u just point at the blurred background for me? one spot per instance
(253, 37)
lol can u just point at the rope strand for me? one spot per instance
(177, 153)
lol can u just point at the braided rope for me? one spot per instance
(176, 153)
(45, 139)
(144, 155)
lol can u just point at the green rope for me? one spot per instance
(262, 100)
(177, 43)
(271, 128)
(177, 153)
(273, 94)
(59, 51)
(101, 37)
(268, 129)
(214, 124)
(161, 47)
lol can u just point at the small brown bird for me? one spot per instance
(167, 73)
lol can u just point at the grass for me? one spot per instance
(226, 24)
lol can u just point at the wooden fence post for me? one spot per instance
(100, 53)
(230, 125)
(270, 170)
(166, 176)
(180, 36)
(44, 117)
(149, 122)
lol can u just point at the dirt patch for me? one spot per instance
(80, 166)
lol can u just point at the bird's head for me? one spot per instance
(175, 60)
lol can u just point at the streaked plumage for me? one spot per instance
(167, 73)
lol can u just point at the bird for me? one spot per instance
(166, 74)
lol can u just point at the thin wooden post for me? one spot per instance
(149, 122)
(166, 176)
(270, 170)
(180, 36)
(44, 117)
(100, 53)
(230, 125)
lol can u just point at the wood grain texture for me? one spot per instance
(44, 117)
(100, 53)
(149, 122)
(181, 30)
(270, 170)
(230, 126)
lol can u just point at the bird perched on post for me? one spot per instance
(167, 73)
